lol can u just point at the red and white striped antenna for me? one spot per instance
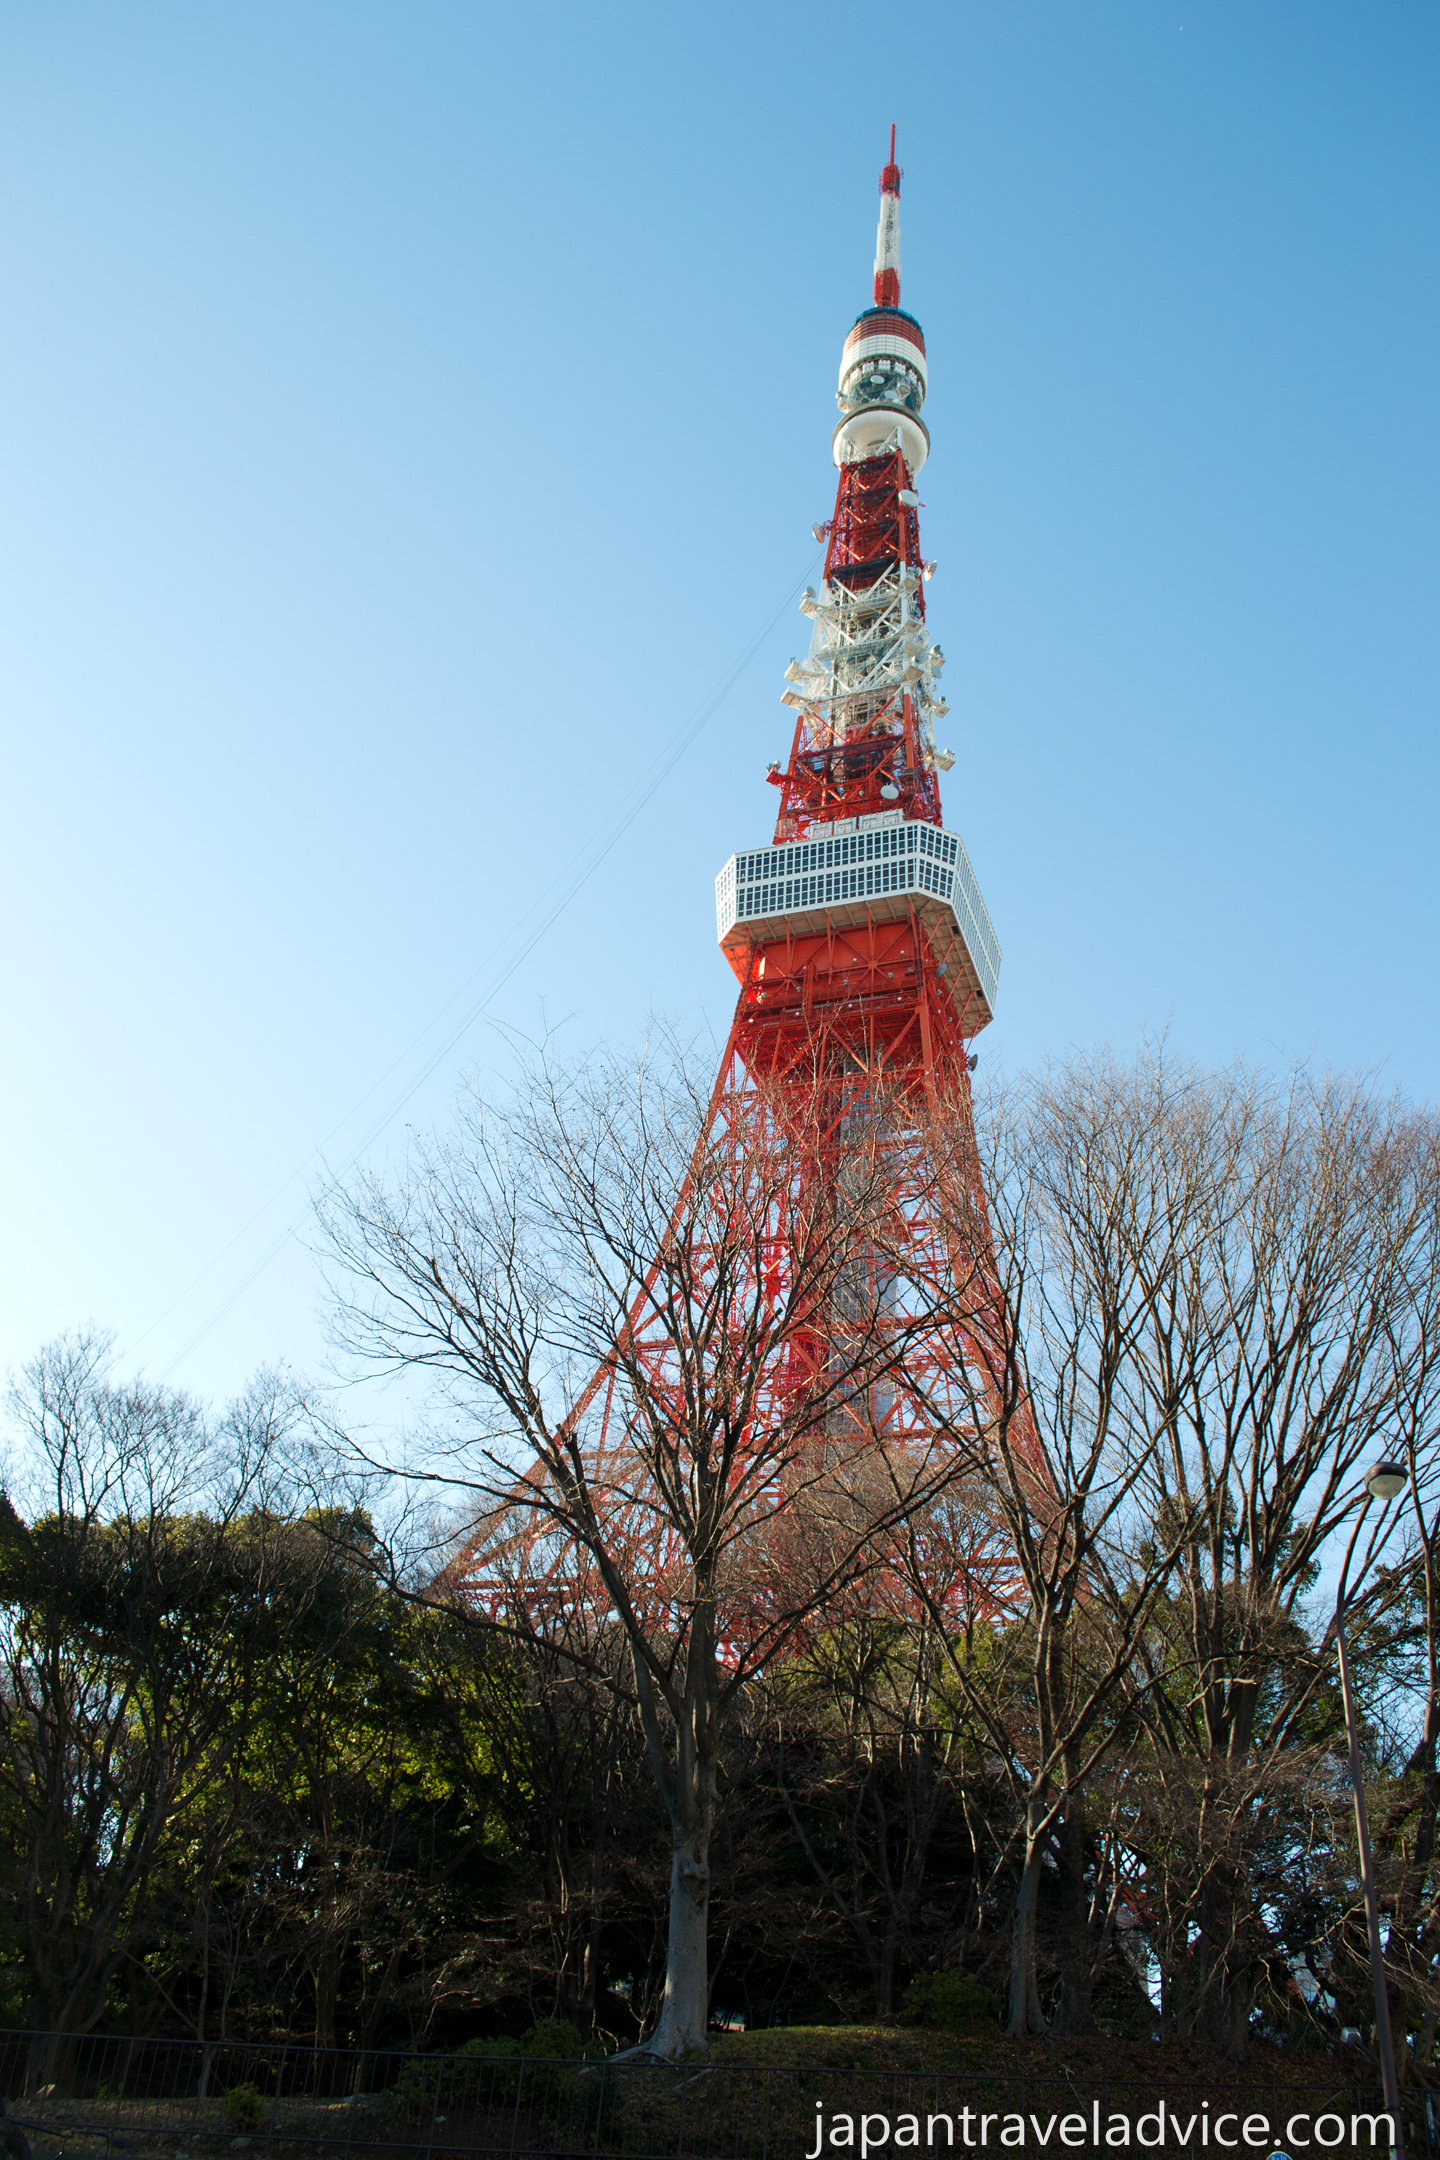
(887, 240)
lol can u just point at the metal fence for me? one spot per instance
(100, 2098)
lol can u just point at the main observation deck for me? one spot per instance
(874, 869)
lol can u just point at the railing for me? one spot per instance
(176, 2100)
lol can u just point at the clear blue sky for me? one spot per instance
(409, 415)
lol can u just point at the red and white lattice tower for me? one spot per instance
(859, 934)
(867, 964)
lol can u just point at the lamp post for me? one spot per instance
(1382, 1481)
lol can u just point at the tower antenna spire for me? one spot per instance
(887, 240)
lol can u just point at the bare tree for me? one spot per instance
(1309, 1323)
(665, 1340)
(1101, 1181)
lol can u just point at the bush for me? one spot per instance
(553, 2038)
(956, 2002)
(245, 2107)
(485, 2072)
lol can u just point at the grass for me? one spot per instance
(759, 2091)
(747, 2093)
(918, 2050)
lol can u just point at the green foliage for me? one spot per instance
(547, 2065)
(954, 2002)
(245, 2107)
(549, 2039)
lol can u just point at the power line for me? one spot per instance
(612, 828)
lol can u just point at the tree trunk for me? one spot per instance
(327, 1990)
(370, 2024)
(592, 1977)
(1228, 1987)
(1074, 2014)
(40, 2063)
(689, 1789)
(685, 2011)
(1024, 2015)
(885, 1970)
(1238, 2004)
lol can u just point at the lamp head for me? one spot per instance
(1384, 1479)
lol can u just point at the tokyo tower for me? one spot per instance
(867, 964)
(794, 1354)
(859, 937)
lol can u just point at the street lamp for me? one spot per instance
(1382, 1481)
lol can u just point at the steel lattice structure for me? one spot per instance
(866, 964)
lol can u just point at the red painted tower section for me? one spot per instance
(863, 915)
(866, 964)
(866, 958)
